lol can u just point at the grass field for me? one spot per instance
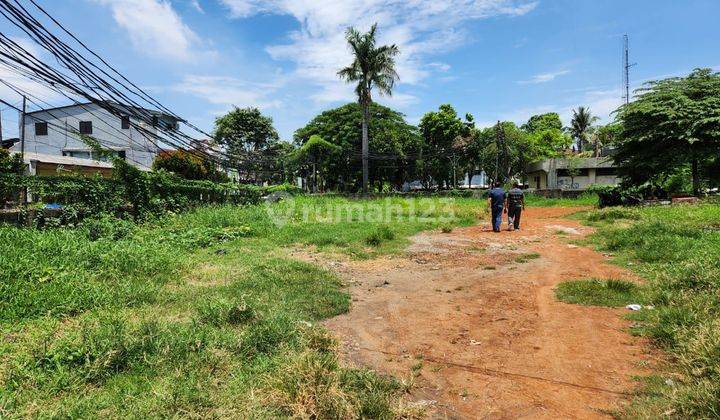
(584, 200)
(197, 315)
(677, 249)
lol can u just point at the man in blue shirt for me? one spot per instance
(496, 199)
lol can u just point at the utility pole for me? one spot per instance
(626, 69)
(22, 143)
(1, 138)
(22, 130)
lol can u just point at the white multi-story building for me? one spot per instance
(131, 134)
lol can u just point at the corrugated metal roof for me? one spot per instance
(66, 160)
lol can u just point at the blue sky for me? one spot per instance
(496, 59)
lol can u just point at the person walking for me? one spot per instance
(514, 203)
(496, 200)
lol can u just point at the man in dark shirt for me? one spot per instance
(496, 200)
(514, 203)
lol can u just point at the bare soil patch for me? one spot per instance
(478, 327)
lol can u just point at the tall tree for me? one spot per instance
(503, 151)
(540, 122)
(247, 135)
(317, 154)
(372, 66)
(390, 136)
(440, 129)
(546, 136)
(580, 126)
(673, 123)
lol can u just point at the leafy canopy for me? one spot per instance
(372, 66)
(390, 136)
(673, 123)
(188, 165)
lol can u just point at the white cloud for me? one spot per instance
(544, 77)
(196, 5)
(154, 28)
(439, 66)
(38, 92)
(223, 90)
(421, 28)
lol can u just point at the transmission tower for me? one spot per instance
(626, 70)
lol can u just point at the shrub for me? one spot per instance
(379, 235)
(107, 227)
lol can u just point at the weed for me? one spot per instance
(108, 320)
(218, 312)
(527, 257)
(598, 292)
(672, 247)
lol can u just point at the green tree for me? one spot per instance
(541, 122)
(11, 163)
(573, 163)
(440, 129)
(372, 66)
(673, 123)
(581, 126)
(188, 165)
(546, 136)
(246, 135)
(503, 151)
(393, 142)
(317, 153)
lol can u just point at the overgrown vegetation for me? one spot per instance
(198, 314)
(677, 249)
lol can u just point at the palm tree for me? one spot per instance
(580, 125)
(372, 67)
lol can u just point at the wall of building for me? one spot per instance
(107, 129)
(567, 183)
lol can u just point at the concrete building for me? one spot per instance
(571, 174)
(53, 132)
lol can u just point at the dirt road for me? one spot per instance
(471, 316)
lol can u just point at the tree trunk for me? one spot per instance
(695, 177)
(597, 148)
(365, 147)
(314, 178)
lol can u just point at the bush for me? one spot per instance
(107, 227)
(379, 235)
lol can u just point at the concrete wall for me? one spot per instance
(564, 182)
(107, 129)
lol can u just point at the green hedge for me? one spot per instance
(151, 192)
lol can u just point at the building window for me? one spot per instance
(579, 172)
(121, 154)
(606, 172)
(125, 122)
(85, 127)
(41, 129)
(77, 154)
(155, 121)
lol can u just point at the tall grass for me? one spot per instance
(196, 315)
(677, 249)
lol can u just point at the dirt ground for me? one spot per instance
(471, 317)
